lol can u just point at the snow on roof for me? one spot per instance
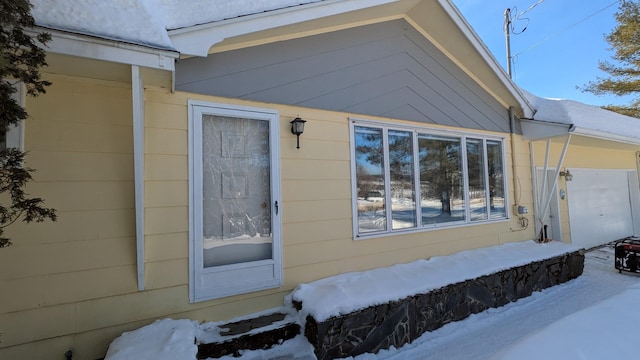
(176, 15)
(144, 22)
(585, 118)
(123, 20)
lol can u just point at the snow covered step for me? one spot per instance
(261, 332)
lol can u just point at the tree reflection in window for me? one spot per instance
(369, 156)
(459, 179)
(496, 179)
(403, 205)
(441, 183)
(477, 188)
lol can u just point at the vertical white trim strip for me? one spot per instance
(387, 179)
(193, 177)
(416, 180)
(137, 95)
(354, 185)
(15, 133)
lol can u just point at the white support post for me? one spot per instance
(137, 93)
(555, 179)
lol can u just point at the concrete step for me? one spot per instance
(261, 332)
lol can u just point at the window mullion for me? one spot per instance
(416, 180)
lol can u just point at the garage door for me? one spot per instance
(599, 206)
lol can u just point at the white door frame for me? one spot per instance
(226, 280)
(553, 218)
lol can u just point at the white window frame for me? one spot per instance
(259, 275)
(463, 135)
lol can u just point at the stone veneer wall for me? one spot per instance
(400, 322)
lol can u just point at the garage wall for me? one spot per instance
(585, 154)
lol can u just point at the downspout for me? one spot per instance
(137, 95)
(514, 168)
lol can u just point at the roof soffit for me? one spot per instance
(299, 21)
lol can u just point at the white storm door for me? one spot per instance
(235, 242)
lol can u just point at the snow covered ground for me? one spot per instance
(491, 334)
(592, 317)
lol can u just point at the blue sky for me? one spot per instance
(560, 48)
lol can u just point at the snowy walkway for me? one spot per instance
(483, 335)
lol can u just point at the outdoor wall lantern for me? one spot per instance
(567, 175)
(297, 128)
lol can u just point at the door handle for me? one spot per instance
(276, 204)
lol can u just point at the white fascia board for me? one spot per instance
(109, 50)
(197, 40)
(606, 136)
(536, 130)
(467, 30)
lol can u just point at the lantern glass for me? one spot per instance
(297, 126)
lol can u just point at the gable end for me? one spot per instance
(387, 69)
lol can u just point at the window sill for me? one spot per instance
(429, 228)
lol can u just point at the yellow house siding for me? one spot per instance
(589, 157)
(316, 198)
(79, 139)
(79, 274)
(166, 194)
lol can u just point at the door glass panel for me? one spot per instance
(236, 190)
(403, 205)
(477, 188)
(441, 183)
(370, 179)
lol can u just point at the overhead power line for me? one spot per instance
(530, 8)
(563, 30)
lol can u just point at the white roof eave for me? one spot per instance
(536, 129)
(598, 134)
(196, 40)
(109, 50)
(541, 129)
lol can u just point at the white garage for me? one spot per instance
(602, 205)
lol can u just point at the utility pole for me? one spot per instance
(507, 25)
